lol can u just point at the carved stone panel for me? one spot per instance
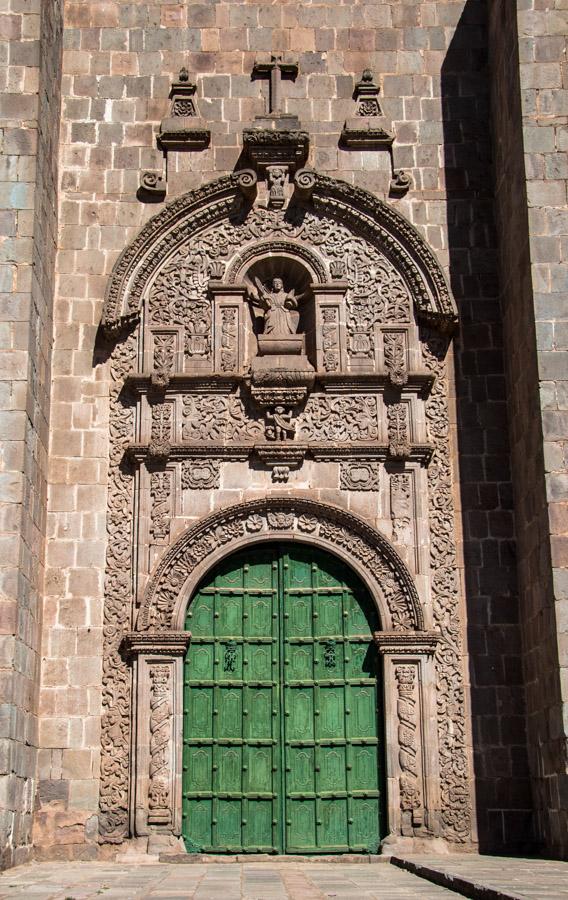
(340, 419)
(401, 507)
(161, 506)
(200, 475)
(360, 476)
(395, 357)
(398, 418)
(408, 712)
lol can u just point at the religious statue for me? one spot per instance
(277, 304)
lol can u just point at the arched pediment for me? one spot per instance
(364, 548)
(365, 216)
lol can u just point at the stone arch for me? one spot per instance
(285, 249)
(220, 200)
(347, 536)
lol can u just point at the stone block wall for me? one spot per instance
(30, 74)
(119, 60)
(531, 115)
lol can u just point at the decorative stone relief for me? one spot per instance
(159, 801)
(343, 418)
(409, 781)
(337, 528)
(161, 509)
(211, 417)
(398, 429)
(164, 357)
(330, 338)
(115, 722)
(395, 357)
(454, 772)
(401, 506)
(360, 476)
(276, 177)
(361, 213)
(229, 339)
(162, 431)
(200, 475)
(375, 294)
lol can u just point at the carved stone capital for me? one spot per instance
(406, 643)
(166, 643)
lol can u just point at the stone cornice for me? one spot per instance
(164, 643)
(406, 643)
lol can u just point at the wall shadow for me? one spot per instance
(503, 794)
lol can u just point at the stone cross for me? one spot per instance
(275, 70)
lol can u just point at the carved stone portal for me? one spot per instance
(297, 338)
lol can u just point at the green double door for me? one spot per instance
(282, 724)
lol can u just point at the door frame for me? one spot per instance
(412, 779)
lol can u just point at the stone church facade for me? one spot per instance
(283, 405)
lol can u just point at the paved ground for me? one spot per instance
(250, 881)
(471, 876)
(529, 879)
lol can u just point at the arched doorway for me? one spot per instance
(283, 725)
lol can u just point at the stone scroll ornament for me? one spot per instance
(115, 722)
(217, 533)
(454, 770)
(159, 801)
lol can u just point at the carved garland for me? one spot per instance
(454, 770)
(275, 514)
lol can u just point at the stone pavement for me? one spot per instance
(480, 877)
(247, 881)
(493, 877)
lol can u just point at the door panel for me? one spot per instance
(281, 737)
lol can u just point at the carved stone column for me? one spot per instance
(331, 340)
(158, 725)
(411, 736)
(231, 328)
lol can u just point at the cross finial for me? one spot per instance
(276, 69)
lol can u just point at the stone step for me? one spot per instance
(272, 858)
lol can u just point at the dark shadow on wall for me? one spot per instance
(504, 805)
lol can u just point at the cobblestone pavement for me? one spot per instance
(252, 881)
(511, 877)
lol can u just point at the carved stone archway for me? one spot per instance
(364, 548)
(158, 646)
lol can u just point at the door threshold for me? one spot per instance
(271, 858)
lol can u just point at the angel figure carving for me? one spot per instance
(277, 304)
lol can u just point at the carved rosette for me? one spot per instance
(115, 723)
(409, 780)
(159, 801)
(454, 769)
(338, 529)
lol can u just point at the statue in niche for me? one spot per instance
(278, 305)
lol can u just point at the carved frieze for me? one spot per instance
(210, 417)
(200, 475)
(343, 418)
(360, 476)
(159, 800)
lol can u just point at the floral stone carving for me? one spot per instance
(337, 528)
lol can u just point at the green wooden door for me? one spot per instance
(281, 720)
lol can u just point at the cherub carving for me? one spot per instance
(277, 304)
